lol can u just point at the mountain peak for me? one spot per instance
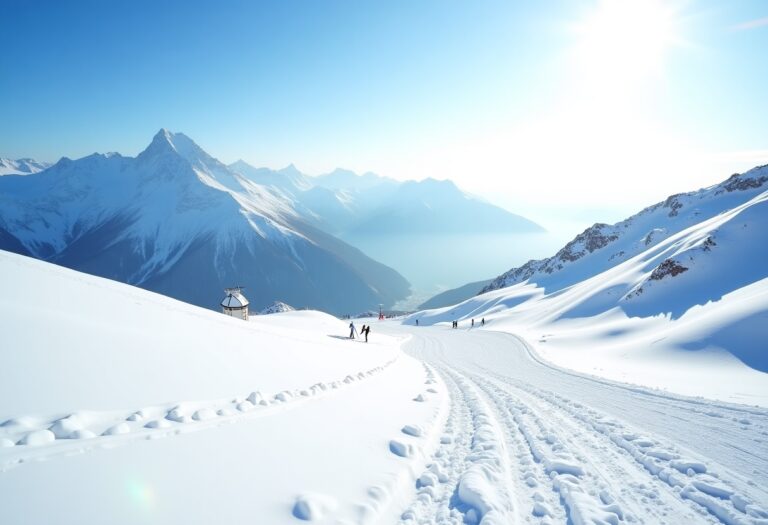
(166, 141)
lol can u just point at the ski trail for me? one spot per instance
(468, 479)
(567, 460)
(688, 478)
(621, 486)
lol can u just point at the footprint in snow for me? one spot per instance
(311, 507)
(116, 430)
(398, 448)
(204, 414)
(65, 427)
(412, 430)
(158, 423)
(245, 406)
(38, 437)
(420, 398)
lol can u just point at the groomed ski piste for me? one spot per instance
(118, 405)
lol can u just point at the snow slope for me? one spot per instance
(21, 166)
(603, 246)
(682, 305)
(174, 216)
(119, 405)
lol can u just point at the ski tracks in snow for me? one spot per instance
(512, 452)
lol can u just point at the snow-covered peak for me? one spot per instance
(276, 308)
(165, 142)
(24, 166)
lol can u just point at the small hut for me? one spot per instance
(235, 304)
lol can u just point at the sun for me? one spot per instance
(625, 40)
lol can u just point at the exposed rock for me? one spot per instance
(667, 267)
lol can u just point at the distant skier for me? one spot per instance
(417, 322)
(473, 323)
(366, 331)
(352, 330)
(482, 322)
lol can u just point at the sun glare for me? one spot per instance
(625, 40)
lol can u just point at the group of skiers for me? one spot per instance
(367, 329)
(455, 323)
(353, 331)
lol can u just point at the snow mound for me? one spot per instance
(276, 308)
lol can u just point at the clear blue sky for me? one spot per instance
(510, 99)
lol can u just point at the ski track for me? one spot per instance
(567, 461)
(29, 438)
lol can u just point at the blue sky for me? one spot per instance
(557, 109)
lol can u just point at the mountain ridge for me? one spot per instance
(175, 220)
(629, 237)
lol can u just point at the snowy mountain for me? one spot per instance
(604, 246)
(330, 209)
(352, 205)
(21, 166)
(177, 221)
(673, 297)
(276, 308)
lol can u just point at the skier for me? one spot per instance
(417, 322)
(352, 330)
(366, 331)
(482, 322)
(473, 323)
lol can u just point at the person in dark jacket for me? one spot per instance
(366, 331)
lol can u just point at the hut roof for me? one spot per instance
(234, 299)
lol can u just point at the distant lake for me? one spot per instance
(435, 263)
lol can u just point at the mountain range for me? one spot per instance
(21, 166)
(177, 221)
(344, 203)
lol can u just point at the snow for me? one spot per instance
(277, 307)
(21, 166)
(524, 438)
(128, 404)
(694, 332)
